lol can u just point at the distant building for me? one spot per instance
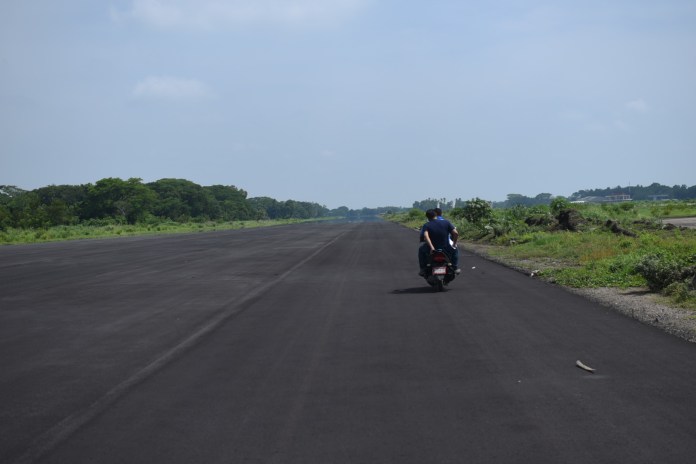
(617, 198)
(608, 199)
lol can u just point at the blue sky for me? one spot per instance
(350, 102)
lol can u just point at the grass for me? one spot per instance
(76, 232)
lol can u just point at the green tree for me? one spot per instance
(26, 211)
(341, 211)
(296, 210)
(559, 204)
(7, 192)
(63, 203)
(127, 201)
(477, 211)
(59, 213)
(266, 208)
(71, 195)
(232, 202)
(431, 203)
(514, 199)
(5, 217)
(181, 200)
(542, 199)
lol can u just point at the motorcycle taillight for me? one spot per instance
(439, 258)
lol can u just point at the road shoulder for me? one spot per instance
(637, 303)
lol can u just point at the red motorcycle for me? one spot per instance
(439, 271)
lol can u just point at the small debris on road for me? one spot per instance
(583, 366)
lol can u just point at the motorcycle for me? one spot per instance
(439, 271)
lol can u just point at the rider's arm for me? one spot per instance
(428, 241)
(455, 236)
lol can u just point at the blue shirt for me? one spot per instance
(422, 232)
(439, 232)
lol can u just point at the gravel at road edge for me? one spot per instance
(637, 303)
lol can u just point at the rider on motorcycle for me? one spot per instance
(436, 236)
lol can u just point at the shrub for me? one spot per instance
(477, 211)
(516, 213)
(569, 219)
(456, 213)
(680, 291)
(662, 269)
(416, 214)
(559, 204)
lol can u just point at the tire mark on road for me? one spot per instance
(298, 405)
(71, 424)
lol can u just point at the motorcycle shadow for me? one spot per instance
(412, 291)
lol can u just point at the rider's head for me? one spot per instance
(438, 212)
(430, 214)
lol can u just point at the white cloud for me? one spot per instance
(170, 88)
(206, 14)
(637, 105)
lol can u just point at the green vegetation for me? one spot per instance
(105, 230)
(117, 201)
(586, 245)
(653, 191)
(638, 193)
(116, 207)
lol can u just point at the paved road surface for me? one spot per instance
(320, 344)
(682, 222)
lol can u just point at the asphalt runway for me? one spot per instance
(318, 343)
(689, 222)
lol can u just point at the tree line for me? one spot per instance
(653, 191)
(639, 192)
(113, 200)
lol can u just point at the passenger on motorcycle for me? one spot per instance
(438, 216)
(436, 236)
